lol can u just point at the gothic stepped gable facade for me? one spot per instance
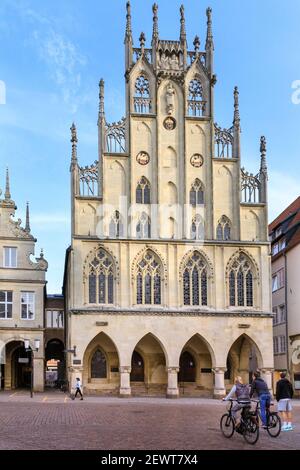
(167, 275)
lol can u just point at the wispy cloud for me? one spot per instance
(63, 58)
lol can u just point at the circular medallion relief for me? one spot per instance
(143, 158)
(169, 123)
(196, 160)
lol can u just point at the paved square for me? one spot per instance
(53, 421)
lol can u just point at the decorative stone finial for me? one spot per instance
(74, 141)
(128, 33)
(142, 40)
(196, 44)
(236, 119)
(101, 99)
(263, 153)
(209, 36)
(182, 25)
(27, 226)
(155, 22)
(7, 194)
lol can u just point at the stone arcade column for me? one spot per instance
(267, 376)
(125, 389)
(38, 374)
(219, 389)
(172, 391)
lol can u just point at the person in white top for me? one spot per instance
(78, 388)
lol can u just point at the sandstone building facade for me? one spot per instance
(22, 288)
(167, 276)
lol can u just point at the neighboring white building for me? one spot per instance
(22, 286)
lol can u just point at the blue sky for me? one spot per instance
(54, 53)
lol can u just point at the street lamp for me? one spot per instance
(28, 348)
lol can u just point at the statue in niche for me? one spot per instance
(174, 62)
(164, 61)
(170, 95)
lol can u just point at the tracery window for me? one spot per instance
(195, 280)
(241, 282)
(197, 193)
(224, 228)
(142, 100)
(143, 228)
(143, 191)
(196, 105)
(98, 365)
(197, 228)
(116, 226)
(101, 279)
(149, 279)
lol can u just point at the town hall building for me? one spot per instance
(167, 275)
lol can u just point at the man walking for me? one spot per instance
(284, 395)
(78, 388)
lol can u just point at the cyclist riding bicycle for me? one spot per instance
(242, 393)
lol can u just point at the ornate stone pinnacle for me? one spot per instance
(236, 119)
(101, 99)
(42, 253)
(155, 22)
(209, 36)
(182, 25)
(74, 141)
(128, 33)
(27, 226)
(196, 43)
(7, 194)
(263, 153)
(142, 40)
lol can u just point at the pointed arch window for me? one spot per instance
(143, 228)
(197, 228)
(142, 98)
(197, 193)
(143, 191)
(195, 281)
(241, 292)
(101, 279)
(148, 280)
(196, 104)
(224, 229)
(98, 365)
(116, 226)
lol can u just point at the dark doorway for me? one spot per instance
(187, 368)
(21, 368)
(98, 365)
(227, 375)
(55, 363)
(137, 368)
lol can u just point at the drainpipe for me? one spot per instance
(286, 314)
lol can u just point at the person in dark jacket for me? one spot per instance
(284, 395)
(260, 387)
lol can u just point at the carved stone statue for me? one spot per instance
(170, 94)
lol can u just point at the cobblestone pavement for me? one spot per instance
(53, 421)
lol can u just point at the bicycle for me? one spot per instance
(248, 426)
(273, 420)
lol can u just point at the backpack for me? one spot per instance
(242, 392)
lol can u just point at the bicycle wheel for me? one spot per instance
(251, 432)
(274, 425)
(227, 425)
